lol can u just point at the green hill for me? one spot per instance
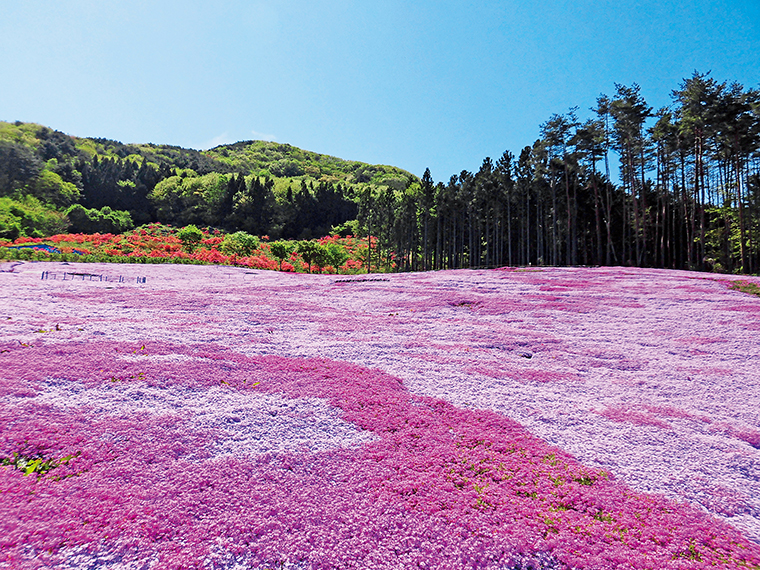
(286, 161)
(51, 181)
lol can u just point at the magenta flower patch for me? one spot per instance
(215, 418)
(204, 447)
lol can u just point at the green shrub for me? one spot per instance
(322, 256)
(241, 244)
(309, 250)
(281, 250)
(746, 287)
(103, 221)
(26, 216)
(336, 255)
(190, 236)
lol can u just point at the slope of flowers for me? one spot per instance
(440, 486)
(378, 423)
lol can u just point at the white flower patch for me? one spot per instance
(246, 424)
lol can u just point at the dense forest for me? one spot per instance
(688, 196)
(686, 192)
(51, 182)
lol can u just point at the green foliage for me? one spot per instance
(251, 186)
(722, 244)
(336, 255)
(348, 228)
(19, 167)
(51, 188)
(281, 250)
(746, 287)
(284, 160)
(309, 251)
(254, 207)
(103, 221)
(28, 217)
(241, 244)
(190, 236)
(286, 168)
(321, 256)
(36, 464)
(189, 198)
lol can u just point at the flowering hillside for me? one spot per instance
(170, 416)
(156, 243)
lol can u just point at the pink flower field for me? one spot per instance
(210, 417)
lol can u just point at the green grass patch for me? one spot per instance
(746, 287)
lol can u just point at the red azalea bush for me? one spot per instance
(158, 242)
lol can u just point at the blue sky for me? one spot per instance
(439, 84)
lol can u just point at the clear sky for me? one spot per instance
(439, 84)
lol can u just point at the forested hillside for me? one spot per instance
(51, 182)
(687, 194)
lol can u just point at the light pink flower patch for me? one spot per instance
(164, 471)
(626, 352)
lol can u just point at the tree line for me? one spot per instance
(688, 195)
(685, 193)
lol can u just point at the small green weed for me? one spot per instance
(746, 287)
(37, 464)
(601, 517)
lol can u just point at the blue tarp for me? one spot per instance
(44, 247)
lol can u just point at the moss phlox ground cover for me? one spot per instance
(215, 418)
